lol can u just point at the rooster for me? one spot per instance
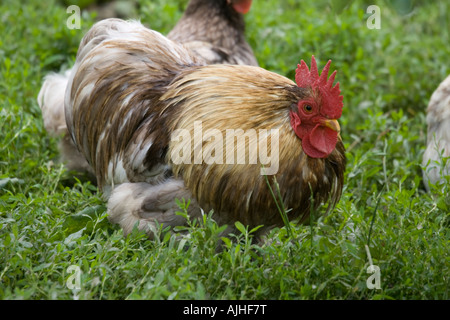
(438, 136)
(134, 104)
(212, 29)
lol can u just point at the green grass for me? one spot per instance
(48, 223)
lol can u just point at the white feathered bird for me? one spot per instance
(438, 136)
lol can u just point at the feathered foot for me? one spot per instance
(145, 206)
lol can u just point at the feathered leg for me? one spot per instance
(145, 206)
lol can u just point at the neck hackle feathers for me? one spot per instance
(331, 98)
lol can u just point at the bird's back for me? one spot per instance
(112, 101)
(215, 31)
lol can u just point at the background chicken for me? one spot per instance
(438, 136)
(212, 29)
(132, 89)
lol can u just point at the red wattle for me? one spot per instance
(323, 139)
(310, 150)
(318, 142)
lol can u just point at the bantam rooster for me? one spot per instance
(212, 29)
(438, 136)
(150, 117)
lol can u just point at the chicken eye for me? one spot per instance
(308, 108)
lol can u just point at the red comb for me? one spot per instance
(331, 98)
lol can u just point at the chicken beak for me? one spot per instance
(332, 124)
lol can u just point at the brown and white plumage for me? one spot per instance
(131, 88)
(122, 69)
(214, 29)
(438, 136)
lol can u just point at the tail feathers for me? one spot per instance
(51, 102)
